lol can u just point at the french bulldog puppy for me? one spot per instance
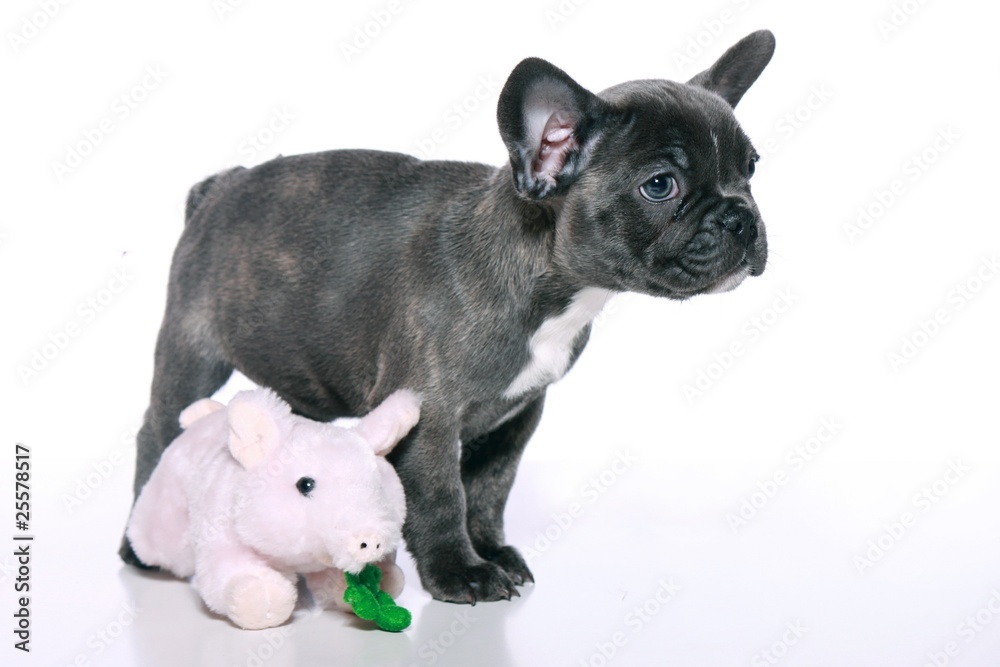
(336, 278)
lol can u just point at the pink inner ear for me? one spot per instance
(556, 142)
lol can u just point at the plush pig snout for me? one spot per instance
(368, 547)
(351, 551)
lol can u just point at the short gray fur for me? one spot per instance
(337, 277)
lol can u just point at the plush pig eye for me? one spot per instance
(305, 485)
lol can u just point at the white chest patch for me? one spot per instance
(552, 344)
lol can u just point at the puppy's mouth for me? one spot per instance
(728, 282)
(750, 264)
(717, 245)
(732, 280)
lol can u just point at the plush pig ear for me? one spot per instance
(548, 122)
(255, 425)
(387, 424)
(197, 410)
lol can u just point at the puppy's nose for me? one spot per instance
(742, 222)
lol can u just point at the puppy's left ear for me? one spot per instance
(548, 122)
(733, 74)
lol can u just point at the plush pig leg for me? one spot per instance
(327, 588)
(260, 600)
(235, 583)
(392, 577)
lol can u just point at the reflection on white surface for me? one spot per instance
(647, 571)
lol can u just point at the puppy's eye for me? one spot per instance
(752, 166)
(659, 188)
(305, 485)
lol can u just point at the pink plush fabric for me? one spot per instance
(250, 495)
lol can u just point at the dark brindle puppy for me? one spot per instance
(338, 277)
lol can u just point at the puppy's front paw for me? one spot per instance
(510, 560)
(468, 583)
(257, 601)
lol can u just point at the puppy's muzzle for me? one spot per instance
(737, 219)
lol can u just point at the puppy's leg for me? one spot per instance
(435, 529)
(488, 467)
(184, 371)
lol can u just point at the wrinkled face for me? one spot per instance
(325, 499)
(664, 205)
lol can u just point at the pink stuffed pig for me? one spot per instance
(249, 495)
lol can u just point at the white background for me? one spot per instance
(843, 547)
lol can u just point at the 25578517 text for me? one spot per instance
(22, 550)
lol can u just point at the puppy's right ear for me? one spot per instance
(733, 74)
(548, 122)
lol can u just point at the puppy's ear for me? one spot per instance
(548, 122)
(733, 74)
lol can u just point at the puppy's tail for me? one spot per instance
(200, 191)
